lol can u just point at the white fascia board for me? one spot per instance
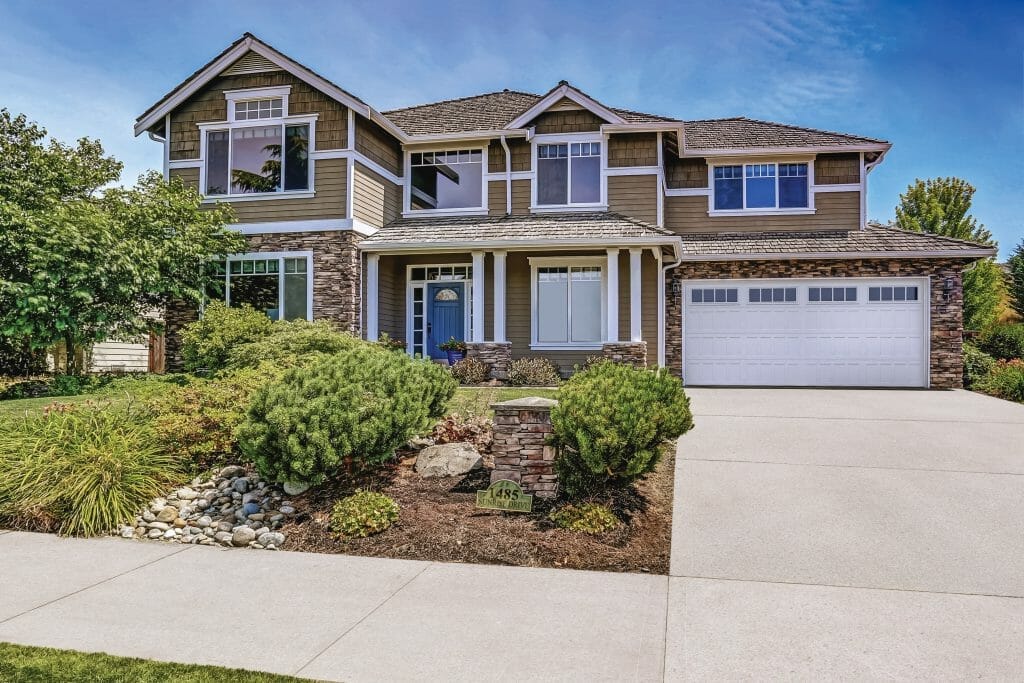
(834, 255)
(385, 123)
(475, 136)
(650, 126)
(521, 245)
(776, 151)
(190, 87)
(322, 225)
(573, 94)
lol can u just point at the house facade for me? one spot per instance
(732, 251)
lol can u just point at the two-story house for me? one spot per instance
(733, 251)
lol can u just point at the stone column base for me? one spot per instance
(495, 355)
(630, 353)
(521, 454)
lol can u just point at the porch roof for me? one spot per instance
(595, 229)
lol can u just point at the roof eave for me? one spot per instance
(881, 147)
(466, 135)
(649, 126)
(519, 245)
(833, 255)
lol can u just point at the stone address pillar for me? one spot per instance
(521, 428)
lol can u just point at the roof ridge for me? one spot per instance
(461, 99)
(893, 228)
(811, 130)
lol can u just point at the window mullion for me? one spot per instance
(284, 140)
(743, 183)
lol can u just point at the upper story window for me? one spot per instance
(449, 179)
(761, 187)
(257, 159)
(248, 110)
(568, 173)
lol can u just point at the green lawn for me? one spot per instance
(23, 405)
(478, 400)
(21, 664)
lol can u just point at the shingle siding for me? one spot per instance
(688, 172)
(633, 149)
(836, 169)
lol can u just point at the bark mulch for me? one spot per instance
(439, 521)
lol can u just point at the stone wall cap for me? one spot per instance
(527, 402)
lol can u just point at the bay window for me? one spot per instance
(568, 304)
(450, 179)
(279, 285)
(761, 186)
(568, 173)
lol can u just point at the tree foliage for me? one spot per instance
(82, 264)
(942, 206)
(1016, 278)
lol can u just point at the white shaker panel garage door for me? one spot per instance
(836, 332)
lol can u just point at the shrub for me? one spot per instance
(590, 518)
(390, 344)
(363, 513)
(80, 470)
(288, 343)
(610, 423)
(1004, 342)
(474, 429)
(19, 359)
(533, 372)
(197, 422)
(470, 371)
(977, 365)
(349, 410)
(1005, 380)
(207, 343)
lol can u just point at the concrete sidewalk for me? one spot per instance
(330, 617)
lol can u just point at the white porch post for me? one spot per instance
(478, 296)
(612, 314)
(499, 296)
(372, 305)
(635, 334)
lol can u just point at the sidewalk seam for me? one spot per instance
(852, 467)
(835, 585)
(363, 618)
(93, 585)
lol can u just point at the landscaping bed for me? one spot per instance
(439, 521)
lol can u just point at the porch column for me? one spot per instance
(478, 296)
(635, 334)
(612, 314)
(372, 306)
(499, 296)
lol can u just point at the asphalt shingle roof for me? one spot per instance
(741, 132)
(871, 240)
(555, 226)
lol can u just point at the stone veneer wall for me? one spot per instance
(495, 355)
(630, 353)
(521, 454)
(946, 369)
(336, 279)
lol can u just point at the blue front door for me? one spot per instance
(445, 315)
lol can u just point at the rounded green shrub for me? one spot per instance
(610, 423)
(287, 343)
(1004, 342)
(342, 412)
(537, 372)
(977, 365)
(363, 513)
(1005, 380)
(590, 518)
(208, 342)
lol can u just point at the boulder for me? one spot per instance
(167, 514)
(243, 535)
(448, 460)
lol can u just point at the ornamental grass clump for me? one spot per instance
(589, 518)
(364, 513)
(81, 470)
(342, 413)
(610, 425)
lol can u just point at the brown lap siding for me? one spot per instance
(946, 365)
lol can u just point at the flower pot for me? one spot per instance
(455, 356)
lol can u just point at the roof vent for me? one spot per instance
(250, 63)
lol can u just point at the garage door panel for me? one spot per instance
(855, 342)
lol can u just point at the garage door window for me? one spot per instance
(830, 294)
(892, 294)
(714, 296)
(771, 295)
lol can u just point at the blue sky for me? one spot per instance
(943, 81)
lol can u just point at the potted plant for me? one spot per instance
(455, 348)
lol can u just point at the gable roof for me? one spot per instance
(743, 133)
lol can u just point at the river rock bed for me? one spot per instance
(235, 508)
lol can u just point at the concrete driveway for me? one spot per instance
(848, 534)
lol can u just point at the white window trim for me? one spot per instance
(407, 189)
(248, 94)
(566, 262)
(204, 128)
(568, 139)
(280, 256)
(770, 211)
(411, 285)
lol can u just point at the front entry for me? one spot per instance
(446, 315)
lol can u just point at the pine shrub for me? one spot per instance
(610, 423)
(208, 342)
(290, 342)
(1004, 342)
(363, 513)
(342, 412)
(538, 372)
(589, 518)
(469, 371)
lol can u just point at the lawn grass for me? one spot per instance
(478, 400)
(23, 664)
